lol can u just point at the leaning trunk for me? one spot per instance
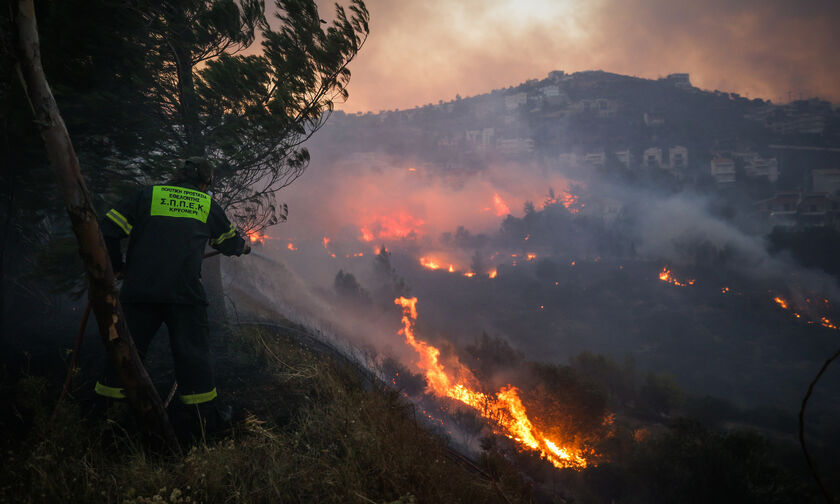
(102, 285)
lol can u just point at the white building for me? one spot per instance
(680, 80)
(652, 157)
(480, 139)
(514, 146)
(624, 157)
(757, 167)
(723, 170)
(595, 158)
(678, 158)
(602, 107)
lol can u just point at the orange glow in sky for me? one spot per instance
(436, 49)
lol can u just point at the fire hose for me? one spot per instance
(78, 345)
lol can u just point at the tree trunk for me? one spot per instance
(102, 285)
(180, 45)
(7, 224)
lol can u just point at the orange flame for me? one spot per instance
(665, 276)
(291, 246)
(825, 322)
(367, 235)
(505, 407)
(493, 274)
(429, 263)
(501, 207)
(395, 227)
(531, 257)
(469, 274)
(451, 269)
(325, 241)
(255, 237)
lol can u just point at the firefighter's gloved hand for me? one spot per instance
(246, 249)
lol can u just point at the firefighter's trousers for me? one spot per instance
(188, 338)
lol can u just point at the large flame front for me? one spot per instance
(392, 227)
(505, 407)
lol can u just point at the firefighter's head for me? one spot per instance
(196, 170)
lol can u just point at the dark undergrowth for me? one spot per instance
(312, 428)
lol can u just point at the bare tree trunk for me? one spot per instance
(4, 233)
(102, 290)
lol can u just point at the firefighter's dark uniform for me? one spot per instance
(168, 227)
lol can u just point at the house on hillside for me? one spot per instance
(758, 167)
(553, 95)
(803, 117)
(723, 170)
(515, 146)
(781, 209)
(792, 208)
(678, 159)
(652, 157)
(601, 107)
(679, 80)
(481, 139)
(625, 157)
(595, 159)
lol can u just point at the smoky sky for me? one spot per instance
(420, 52)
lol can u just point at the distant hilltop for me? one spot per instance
(664, 132)
(560, 87)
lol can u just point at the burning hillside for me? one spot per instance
(504, 408)
(666, 276)
(820, 319)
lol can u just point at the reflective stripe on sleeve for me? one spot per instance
(224, 236)
(119, 220)
(112, 392)
(199, 398)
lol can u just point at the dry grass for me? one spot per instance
(315, 431)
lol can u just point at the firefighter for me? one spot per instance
(168, 227)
